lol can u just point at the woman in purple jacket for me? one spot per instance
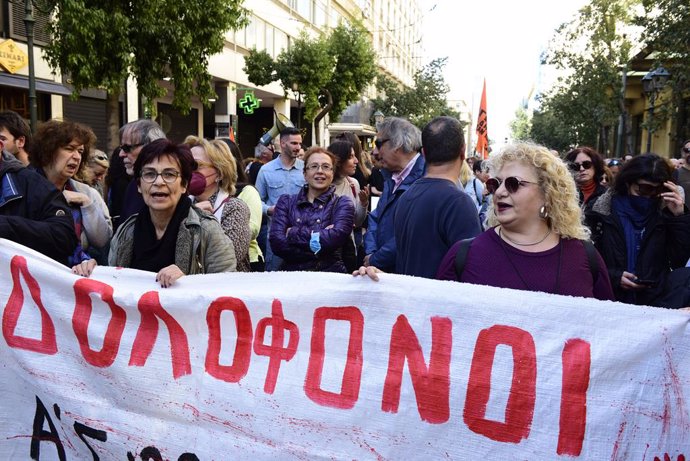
(309, 228)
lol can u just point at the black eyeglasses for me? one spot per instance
(169, 176)
(615, 162)
(649, 190)
(380, 142)
(586, 165)
(127, 148)
(512, 184)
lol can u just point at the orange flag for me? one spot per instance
(482, 133)
(232, 135)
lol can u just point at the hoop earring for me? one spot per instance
(543, 212)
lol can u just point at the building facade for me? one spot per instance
(393, 26)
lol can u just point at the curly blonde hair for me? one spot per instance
(555, 181)
(222, 159)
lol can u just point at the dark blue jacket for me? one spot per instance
(379, 241)
(33, 212)
(301, 217)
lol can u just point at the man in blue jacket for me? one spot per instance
(33, 212)
(398, 143)
(435, 213)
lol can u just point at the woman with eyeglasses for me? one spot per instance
(60, 151)
(536, 239)
(309, 229)
(641, 226)
(587, 167)
(168, 236)
(219, 197)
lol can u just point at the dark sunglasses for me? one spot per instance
(614, 162)
(686, 150)
(380, 142)
(127, 148)
(574, 166)
(512, 184)
(649, 190)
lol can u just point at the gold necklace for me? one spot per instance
(502, 235)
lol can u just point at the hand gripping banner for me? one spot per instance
(327, 366)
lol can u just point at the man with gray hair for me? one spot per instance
(397, 145)
(133, 137)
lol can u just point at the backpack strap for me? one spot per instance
(592, 259)
(461, 256)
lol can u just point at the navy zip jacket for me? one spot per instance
(33, 212)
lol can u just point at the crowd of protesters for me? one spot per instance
(527, 218)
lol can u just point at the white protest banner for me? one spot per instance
(328, 366)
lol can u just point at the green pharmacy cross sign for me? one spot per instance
(249, 103)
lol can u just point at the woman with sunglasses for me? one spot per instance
(535, 239)
(218, 197)
(642, 229)
(168, 236)
(587, 167)
(309, 229)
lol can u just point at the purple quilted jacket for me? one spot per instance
(296, 213)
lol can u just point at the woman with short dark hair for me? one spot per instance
(641, 227)
(587, 167)
(60, 153)
(169, 236)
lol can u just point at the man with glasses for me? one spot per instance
(133, 137)
(283, 175)
(434, 213)
(397, 143)
(682, 175)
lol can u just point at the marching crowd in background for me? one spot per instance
(527, 218)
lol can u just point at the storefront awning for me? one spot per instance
(42, 86)
(359, 129)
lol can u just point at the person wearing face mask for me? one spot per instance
(60, 151)
(587, 167)
(641, 227)
(219, 170)
(310, 228)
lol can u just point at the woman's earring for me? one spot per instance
(543, 213)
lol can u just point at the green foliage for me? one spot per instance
(521, 125)
(259, 67)
(307, 66)
(341, 62)
(98, 43)
(421, 103)
(585, 103)
(667, 32)
(355, 66)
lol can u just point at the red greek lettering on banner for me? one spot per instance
(352, 375)
(243, 346)
(577, 361)
(431, 384)
(47, 344)
(520, 407)
(151, 310)
(276, 352)
(82, 314)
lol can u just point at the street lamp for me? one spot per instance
(652, 84)
(29, 26)
(378, 117)
(298, 94)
